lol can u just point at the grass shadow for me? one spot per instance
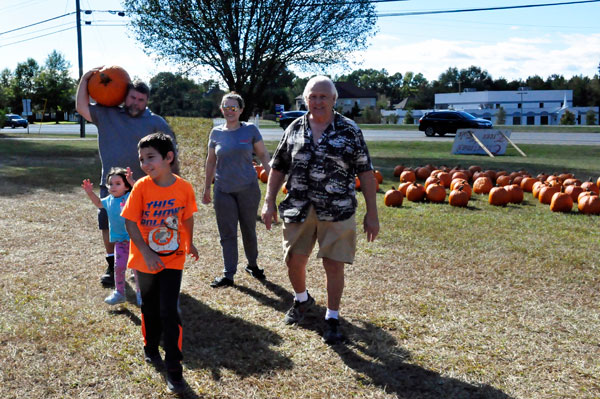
(213, 340)
(388, 368)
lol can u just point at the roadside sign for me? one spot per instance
(26, 107)
(476, 141)
(279, 108)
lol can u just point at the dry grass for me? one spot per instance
(448, 303)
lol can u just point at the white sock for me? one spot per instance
(301, 296)
(109, 255)
(331, 314)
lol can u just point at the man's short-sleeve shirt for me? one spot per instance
(159, 213)
(119, 134)
(323, 174)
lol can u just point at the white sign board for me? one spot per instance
(491, 138)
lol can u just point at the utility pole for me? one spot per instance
(80, 59)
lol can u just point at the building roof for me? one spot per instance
(348, 90)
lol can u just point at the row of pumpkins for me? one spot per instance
(560, 191)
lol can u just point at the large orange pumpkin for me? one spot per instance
(459, 197)
(415, 192)
(589, 204)
(435, 192)
(393, 197)
(591, 186)
(397, 170)
(482, 185)
(503, 180)
(378, 176)
(109, 86)
(264, 177)
(574, 191)
(407, 175)
(527, 183)
(499, 196)
(516, 193)
(403, 186)
(546, 193)
(422, 173)
(561, 202)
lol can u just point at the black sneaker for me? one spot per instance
(256, 272)
(221, 282)
(332, 334)
(175, 382)
(296, 313)
(108, 278)
(154, 359)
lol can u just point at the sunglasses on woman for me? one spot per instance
(232, 108)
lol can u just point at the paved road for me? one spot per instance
(370, 135)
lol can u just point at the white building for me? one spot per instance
(522, 107)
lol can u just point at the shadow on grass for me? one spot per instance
(388, 368)
(213, 340)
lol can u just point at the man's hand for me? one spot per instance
(269, 214)
(371, 226)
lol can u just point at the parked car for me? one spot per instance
(442, 122)
(288, 117)
(14, 121)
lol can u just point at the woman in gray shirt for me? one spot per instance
(236, 192)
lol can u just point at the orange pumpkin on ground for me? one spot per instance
(598, 182)
(459, 174)
(459, 197)
(264, 177)
(503, 180)
(403, 186)
(572, 181)
(431, 180)
(589, 204)
(573, 191)
(499, 196)
(422, 173)
(561, 202)
(109, 85)
(457, 182)
(445, 178)
(527, 184)
(535, 191)
(258, 169)
(415, 192)
(546, 193)
(408, 175)
(435, 193)
(378, 176)
(591, 186)
(393, 197)
(482, 185)
(474, 168)
(516, 193)
(517, 180)
(397, 170)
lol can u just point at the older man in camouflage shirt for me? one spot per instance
(321, 153)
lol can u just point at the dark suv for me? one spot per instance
(14, 120)
(288, 117)
(442, 122)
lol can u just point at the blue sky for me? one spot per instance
(512, 44)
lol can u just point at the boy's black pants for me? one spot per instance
(160, 293)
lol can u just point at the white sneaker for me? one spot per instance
(138, 296)
(115, 298)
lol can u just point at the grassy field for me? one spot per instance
(477, 302)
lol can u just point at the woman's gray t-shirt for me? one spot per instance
(234, 148)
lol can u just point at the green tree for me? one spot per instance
(23, 83)
(54, 85)
(408, 117)
(567, 118)
(6, 95)
(501, 116)
(249, 43)
(590, 118)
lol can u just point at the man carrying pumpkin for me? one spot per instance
(321, 152)
(120, 128)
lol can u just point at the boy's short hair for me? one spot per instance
(161, 142)
(118, 172)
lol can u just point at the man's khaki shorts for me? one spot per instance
(337, 240)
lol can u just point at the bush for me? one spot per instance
(392, 119)
(408, 117)
(590, 118)
(568, 118)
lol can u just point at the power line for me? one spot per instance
(40, 22)
(412, 13)
(37, 37)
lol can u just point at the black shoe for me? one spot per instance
(155, 360)
(296, 313)
(332, 334)
(175, 382)
(108, 278)
(256, 272)
(221, 282)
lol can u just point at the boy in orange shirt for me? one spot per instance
(159, 217)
